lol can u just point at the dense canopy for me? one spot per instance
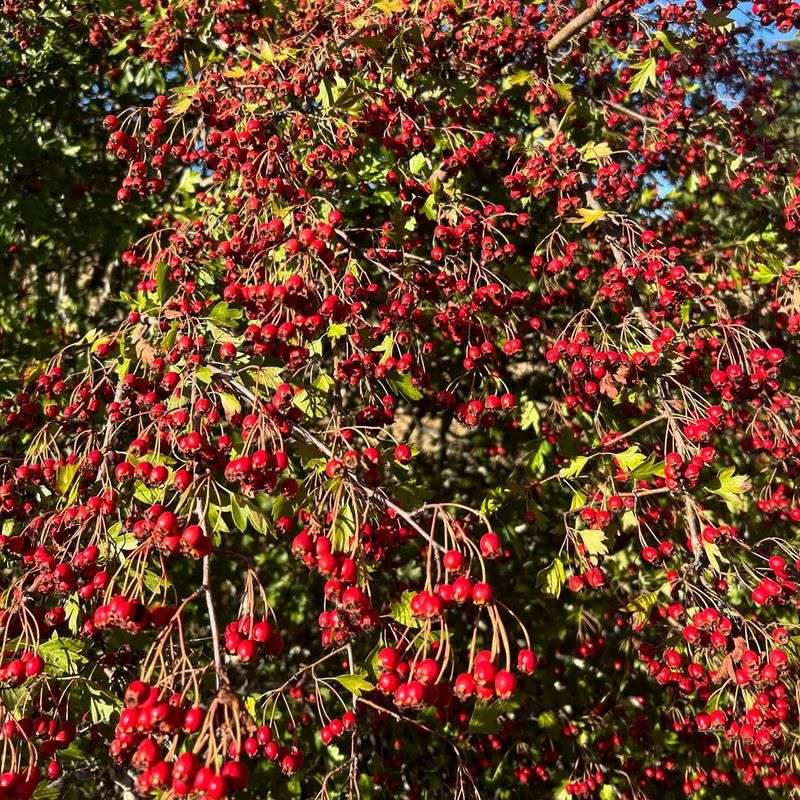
(435, 432)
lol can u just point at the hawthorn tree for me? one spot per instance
(61, 230)
(449, 444)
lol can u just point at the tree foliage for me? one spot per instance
(448, 442)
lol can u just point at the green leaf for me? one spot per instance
(47, 791)
(225, 316)
(530, 416)
(280, 506)
(594, 541)
(161, 282)
(102, 706)
(538, 462)
(120, 46)
(578, 501)
(120, 538)
(401, 611)
(269, 377)
(203, 374)
(214, 519)
(386, 347)
(547, 721)
(714, 555)
(629, 521)
(429, 208)
(766, 273)
(148, 494)
(551, 579)
(325, 94)
(417, 163)
(251, 704)
(645, 74)
(63, 655)
(630, 459)
(731, 487)
(607, 790)
(312, 403)
(649, 469)
(238, 514)
(494, 499)
(405, 387)
(123, 368)
(348, 97)
(355, 683)
(574, 468)
(485, 719)
(486, 716)
(664, 39)
(155, 581)
(716, 19)
(72, 609)
(641, 607)
(344, 528)
(324, 382)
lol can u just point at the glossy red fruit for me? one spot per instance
(505, 684)
(527, 661)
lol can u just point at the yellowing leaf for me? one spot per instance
(355, 683)
(597, 152)
(336, 330)
(64, 478)
(578, 501)
(594, 541)
(588, 216)
(645, 74)
(390, 6)
(230, 405)
(520, 78)
(268, 377)
(664, 39)
(563, 90)
(181, 106)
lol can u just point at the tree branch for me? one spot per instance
(219, 667)
(577, 24)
